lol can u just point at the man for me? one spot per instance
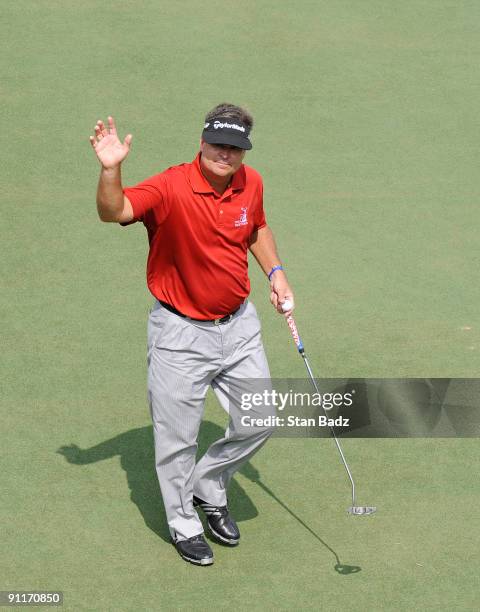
(201, 219)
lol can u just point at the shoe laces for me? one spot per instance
(215, 510)
(196, 538)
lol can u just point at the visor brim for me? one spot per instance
(234, 140)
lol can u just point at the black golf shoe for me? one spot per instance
(220, 523)
(195, 549)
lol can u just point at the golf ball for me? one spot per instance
(287, 305)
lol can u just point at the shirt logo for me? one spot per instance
(242, 220)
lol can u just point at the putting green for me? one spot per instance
(365, 134)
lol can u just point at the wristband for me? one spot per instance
(274, 269)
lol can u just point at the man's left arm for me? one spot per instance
(264, 249)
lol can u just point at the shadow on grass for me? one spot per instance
(136, 451)
(137, 457)
(341, 568)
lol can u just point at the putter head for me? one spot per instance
(362, 510)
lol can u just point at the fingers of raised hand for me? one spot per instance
(99, 140)
(112, 128)
(100, 130)
(97, 137)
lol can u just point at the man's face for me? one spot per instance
(220, 160)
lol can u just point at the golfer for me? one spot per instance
(201, 218)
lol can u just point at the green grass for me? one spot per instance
(366, 116)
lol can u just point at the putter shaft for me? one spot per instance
(356, 510)
(344, 461)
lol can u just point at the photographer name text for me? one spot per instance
(293, 421)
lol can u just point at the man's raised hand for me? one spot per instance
(110, 151)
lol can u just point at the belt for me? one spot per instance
(224, 319)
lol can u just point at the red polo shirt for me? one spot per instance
(198, 238)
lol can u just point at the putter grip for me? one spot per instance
(295, 334)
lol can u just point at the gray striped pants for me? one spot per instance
(185, 357)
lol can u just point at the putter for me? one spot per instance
(354, 509)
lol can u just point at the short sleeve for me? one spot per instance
(149, 200)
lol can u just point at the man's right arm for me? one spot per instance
(112, 204)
